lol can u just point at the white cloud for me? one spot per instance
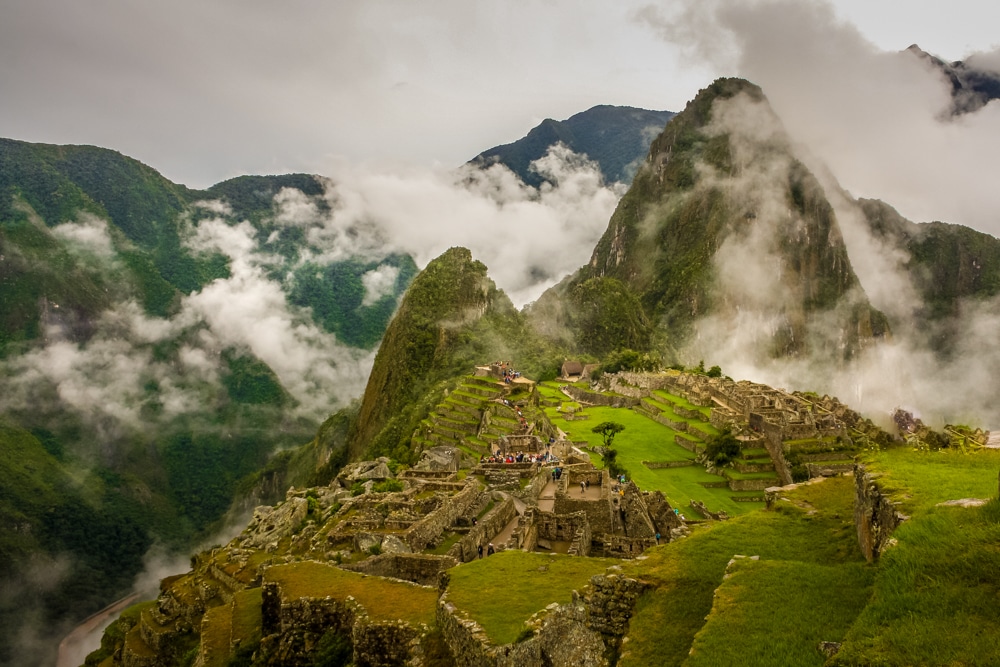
(379, 282)
(88, 236)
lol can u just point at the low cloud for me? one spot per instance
(529, 238)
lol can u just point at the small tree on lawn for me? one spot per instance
(608, 431)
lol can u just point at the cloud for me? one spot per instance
(529, 238)
(379, 282)
(88, 237)
(874, 117)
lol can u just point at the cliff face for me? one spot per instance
(723, 228)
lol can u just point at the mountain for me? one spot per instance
(972, 86)
(452, 318)
(616, 138)
(385, 564)
(158, 346)
(722, 231)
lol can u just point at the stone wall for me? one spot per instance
(828, 469)
(660, 465)
(573, 528)
(750, 484)
(429, 528)
(482, 533)
(594, 398)
(875, 515)
(292, 628)
(634, 513)
(686, 444)
(610, 602)
(772, 442)
(533, 491)
(617, 546)
(530, 444)
(599, 512)
(663, 515)
(421, 569)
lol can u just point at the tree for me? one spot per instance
(722, 449)
(608, 431)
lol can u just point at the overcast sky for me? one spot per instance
(204, 90)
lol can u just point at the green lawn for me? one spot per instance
(501, 592)
(646, 440)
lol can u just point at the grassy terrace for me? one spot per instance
(503, 591)
(941, 575)
(752, 622)
(686, 574)
(383, 599)
(646, 440)
(216, 630)
(924, 479)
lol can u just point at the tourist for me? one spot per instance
(490, 550)
(480, 550)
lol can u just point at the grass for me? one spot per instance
(383, 599)
(939, 579)
(935, 596)
(246, 614)
(446, 544)
(216, 632)
(687, 572)
(646, 440)
(923, 479)
(751, 623)
(501, 592)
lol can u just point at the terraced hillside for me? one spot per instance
(480, 411)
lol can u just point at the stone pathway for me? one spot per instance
(547, 499)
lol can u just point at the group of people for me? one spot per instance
(520, 457)
(509, 374)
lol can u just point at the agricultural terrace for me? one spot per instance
(810, 538)
(503, 591)
(921, 479)
(646, 440)
(941, 573)
(383, 599)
